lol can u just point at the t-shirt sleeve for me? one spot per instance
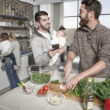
(104, 51)
(74, 45)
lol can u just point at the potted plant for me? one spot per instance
(20, 22)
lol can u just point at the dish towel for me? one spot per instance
(54, 59)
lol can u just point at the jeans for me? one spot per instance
(12, 57)
(11, 73)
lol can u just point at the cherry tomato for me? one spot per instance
(44, 93)
(45, 88)
(40, 92)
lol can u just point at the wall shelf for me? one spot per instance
(13, 17)
(12, 27)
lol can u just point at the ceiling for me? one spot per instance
(37, 2)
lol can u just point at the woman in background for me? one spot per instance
(5, 45)
(11, 73)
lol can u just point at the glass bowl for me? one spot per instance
(42, 76)
(55, 98)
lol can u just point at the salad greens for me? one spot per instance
(40, 78)
(101, 90)
(79, 89)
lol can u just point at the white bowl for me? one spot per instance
(55, 98)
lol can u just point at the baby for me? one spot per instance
(5, 45)
(59, 38)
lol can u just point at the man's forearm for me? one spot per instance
(70, 57)
(95, 69)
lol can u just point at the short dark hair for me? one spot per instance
(4, 36)
(61, 28)
(93, 5)
(38, 14)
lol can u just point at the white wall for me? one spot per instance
(55, 12)
(35, 9)
(58, 14)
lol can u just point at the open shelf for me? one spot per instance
(12, 27)
(13, 17)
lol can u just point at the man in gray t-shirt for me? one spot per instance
(92, 43)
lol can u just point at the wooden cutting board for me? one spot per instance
(56, 88)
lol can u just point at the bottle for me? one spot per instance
(107, 104)
(88, 95)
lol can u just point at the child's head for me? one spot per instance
(61, 36)
(4, 36)
(61, 33)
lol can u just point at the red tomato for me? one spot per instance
(40, 92)
(107, 104)
(44, 93)
(45, 88)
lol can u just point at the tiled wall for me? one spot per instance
(22, 9)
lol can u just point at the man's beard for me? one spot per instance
(84, 21)
(44, 28)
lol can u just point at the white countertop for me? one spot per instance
(16, 100)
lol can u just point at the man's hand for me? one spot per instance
(52, 52)
(67, 70)
(72, 83)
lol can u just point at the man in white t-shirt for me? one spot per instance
(41, 41)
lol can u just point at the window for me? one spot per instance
(105, 15)
(70, 22)
(71, 9)
(105, 6)
(105, 20)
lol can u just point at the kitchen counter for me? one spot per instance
(16, 100)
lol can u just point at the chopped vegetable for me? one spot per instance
(101, 89)
(79, 89)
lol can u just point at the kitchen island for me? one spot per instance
(17, 100)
